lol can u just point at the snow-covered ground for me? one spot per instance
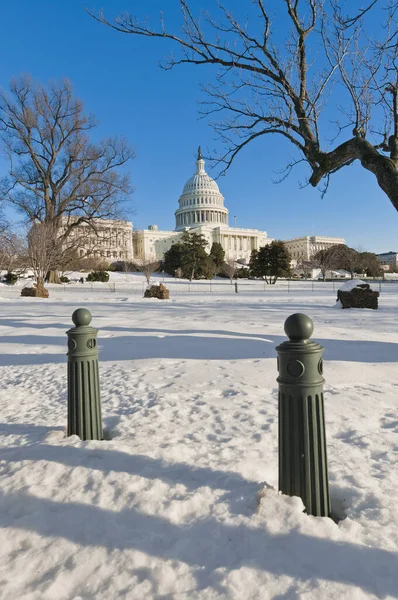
(180, 502)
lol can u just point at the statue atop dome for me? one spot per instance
(199, 153)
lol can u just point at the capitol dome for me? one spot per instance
(201, 201)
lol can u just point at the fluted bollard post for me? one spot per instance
(302, 442)
(84, 404)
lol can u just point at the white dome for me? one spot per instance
(201, 201)
(200, 181)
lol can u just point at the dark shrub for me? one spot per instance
(11, 278)
(102, 276)
(157, 291)
(34, 292)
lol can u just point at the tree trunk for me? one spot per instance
(53, 277)
(41, 291)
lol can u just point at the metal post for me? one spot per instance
(84, 404)
(302, 442)
(236, 287)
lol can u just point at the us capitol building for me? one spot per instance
(200, 210)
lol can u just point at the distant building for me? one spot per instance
(105, 239)
(304, 248)
(151, 243)
(388, 260)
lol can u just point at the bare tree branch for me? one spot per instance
(267, 85)
(55, 172)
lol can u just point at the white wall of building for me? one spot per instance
(106, 239)
(304, 248)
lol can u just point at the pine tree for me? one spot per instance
(194, 256)
(189, 254)
(271, 261)
(173, 259)
(217, 254)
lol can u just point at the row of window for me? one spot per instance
(102, 254)
(197, 201)
(200, 217)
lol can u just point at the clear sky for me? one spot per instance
(118, 78)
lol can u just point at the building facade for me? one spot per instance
(105, 239)
(304, 248)
(388, 260)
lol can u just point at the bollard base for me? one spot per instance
(302, 452)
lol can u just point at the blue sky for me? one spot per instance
(118, 78)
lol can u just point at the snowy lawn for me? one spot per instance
(180, 501)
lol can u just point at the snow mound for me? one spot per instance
(30, 284)
(350, 285)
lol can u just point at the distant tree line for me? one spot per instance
(341, 256)
(189, 259)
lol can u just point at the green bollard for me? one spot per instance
(303, 467)
(84, 404)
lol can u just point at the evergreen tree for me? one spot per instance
(253, 264)
(190, 256)
(217, 254)
(173, 259)
(195, 257)
(271, 261)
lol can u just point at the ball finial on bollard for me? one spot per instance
(298, 327)
(81, 317)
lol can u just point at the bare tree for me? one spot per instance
(127, 267)
(148, 266)
(269, 84)
(305, 267)
(56, 175)
(368, 264)
(326, 260)
(11, 251)
(337, 257)
(44, 253)
(229, 268)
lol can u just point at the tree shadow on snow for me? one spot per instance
(237, 488)
(225, 345)
(206, 544)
